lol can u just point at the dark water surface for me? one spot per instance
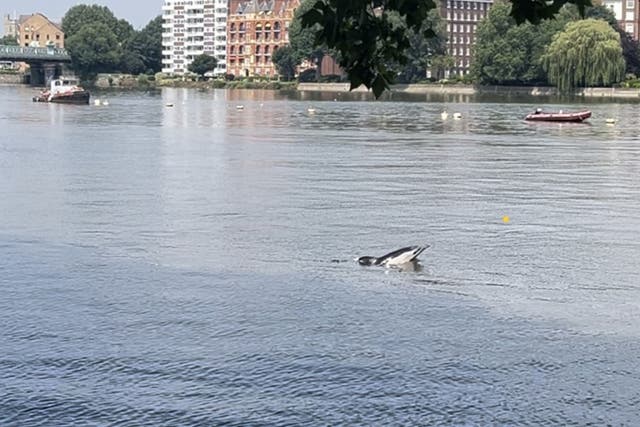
(172, 265)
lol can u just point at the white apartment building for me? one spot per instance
(191, 28)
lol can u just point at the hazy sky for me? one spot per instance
(137, 12)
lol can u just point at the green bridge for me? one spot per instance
(45, 62)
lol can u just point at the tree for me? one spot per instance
(131, 63)
(82, 14)
(630, 47)
(203, 64)
(143, 50)
(285, 62)
(360, 31)
(9, 41)
(586, 53)
(302, 40)
(93, 49)
(422, 50)
(508, 53)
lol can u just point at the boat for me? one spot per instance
(540, 116)
(64, 90)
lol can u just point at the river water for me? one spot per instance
(177, 265)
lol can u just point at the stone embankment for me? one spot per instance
(12, 78)
(459, 89)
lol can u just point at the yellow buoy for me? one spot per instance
(506, 219)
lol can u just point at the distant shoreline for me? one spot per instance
(128, 82)
(460, 89)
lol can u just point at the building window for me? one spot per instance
(630, 4)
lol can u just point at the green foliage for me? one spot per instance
(143, 50)
(131, 62)
(586, 53)
(285, 62)
(422, 50)
(203, 64)
(82, 14)
(361, 32)
(143, 80)
(8, 41)
(307, 76)
(302, 39)
(507, 53)
(93, 49)
(136, 52)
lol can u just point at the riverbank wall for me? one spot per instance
(455, 89)
(12, 79)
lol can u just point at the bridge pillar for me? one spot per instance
(49, 73)
(37, 74)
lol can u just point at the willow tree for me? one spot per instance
(586, 53)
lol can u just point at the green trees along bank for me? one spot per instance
(99, 42)
(567, 51)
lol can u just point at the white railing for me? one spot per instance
(33, 52)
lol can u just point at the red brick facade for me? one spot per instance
(255, 29)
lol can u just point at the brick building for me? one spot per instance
(35, 30)
(462, 17)
(627, 14)
(255, 29)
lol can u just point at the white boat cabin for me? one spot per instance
(63, 84)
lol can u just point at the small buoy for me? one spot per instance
(105, 102)
(311, 110)
(96, 102)
(611, 121)
(457, 116)
(444, 115)
(169, 104)
(239, 107)
(506, 219)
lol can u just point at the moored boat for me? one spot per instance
(64, 90)
(540, 116)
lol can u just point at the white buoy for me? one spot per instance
(611, 121)
(105, 102)
(444, 115)
(96, 101)
(457, 116)
(311, 110)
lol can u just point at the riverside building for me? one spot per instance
(255, 30)
(626, 12)
(191, 28)
(462, 18)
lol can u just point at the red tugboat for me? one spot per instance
(64, 90)
(540, 116)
